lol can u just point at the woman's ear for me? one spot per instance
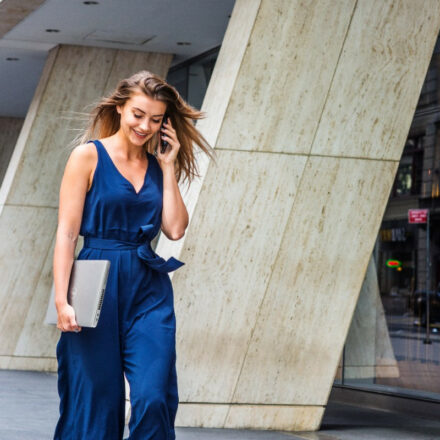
(118, 109)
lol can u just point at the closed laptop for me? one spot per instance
(86, 291)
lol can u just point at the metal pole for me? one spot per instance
(428, 282)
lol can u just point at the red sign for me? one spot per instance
(393, 263)
(417, 215)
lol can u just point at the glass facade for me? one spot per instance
(388, 348)
(191, 78)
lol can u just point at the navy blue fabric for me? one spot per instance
(137, 326)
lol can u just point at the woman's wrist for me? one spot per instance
(59, 304)
(167, 167)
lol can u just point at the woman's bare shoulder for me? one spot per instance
(82, 161)
(83, 155)
(85, 152)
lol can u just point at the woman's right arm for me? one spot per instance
(73, 191)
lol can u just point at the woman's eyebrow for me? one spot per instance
(137, 108)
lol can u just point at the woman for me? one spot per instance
(118, 191)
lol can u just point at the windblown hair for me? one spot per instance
(104, 120)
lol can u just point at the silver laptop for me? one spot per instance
(86, 291)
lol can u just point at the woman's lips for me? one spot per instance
(140, 135)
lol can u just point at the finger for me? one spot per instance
(168, 131)
(164, 134)
(169, 139)
(168, 126)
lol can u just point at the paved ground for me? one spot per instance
(29, 411)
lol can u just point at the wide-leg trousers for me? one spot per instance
(135, 335)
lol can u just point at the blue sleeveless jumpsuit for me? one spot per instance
(136, 330)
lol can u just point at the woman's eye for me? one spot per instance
(138, 116)
(156, 121)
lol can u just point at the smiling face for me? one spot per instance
(141, 117)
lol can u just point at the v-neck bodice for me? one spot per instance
(112, 207)
(120, 174)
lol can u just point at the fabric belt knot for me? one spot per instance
(142, 246)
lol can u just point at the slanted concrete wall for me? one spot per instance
(309, 107)
(9, 131)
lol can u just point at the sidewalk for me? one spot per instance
(29, 411)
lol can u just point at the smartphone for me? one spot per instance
(163, 143)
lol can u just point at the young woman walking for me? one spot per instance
(119, 191)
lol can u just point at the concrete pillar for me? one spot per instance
(9, 131)
(308, 107)
(73, 77)
(368, 350)
(14, 11)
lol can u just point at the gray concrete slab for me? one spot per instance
(29, 411)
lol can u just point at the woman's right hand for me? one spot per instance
(66, 319)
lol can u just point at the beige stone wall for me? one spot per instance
(14, 11)
(9, 131)
(73, 77)
(309, 107)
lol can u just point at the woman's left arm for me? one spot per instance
(175, 217)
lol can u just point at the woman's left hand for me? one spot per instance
(168, 134)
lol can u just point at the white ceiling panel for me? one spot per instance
(141, 25)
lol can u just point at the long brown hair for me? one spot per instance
(104, 120)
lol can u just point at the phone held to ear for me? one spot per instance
(163, 143)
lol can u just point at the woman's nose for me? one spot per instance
(145, 125)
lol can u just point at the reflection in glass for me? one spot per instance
(191, 78)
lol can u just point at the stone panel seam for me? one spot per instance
(26, 357)
(18, 205)
(266, 289)
(333, 77)
(115, 54)
(333, 156)
(237, 75)
(289, 405)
